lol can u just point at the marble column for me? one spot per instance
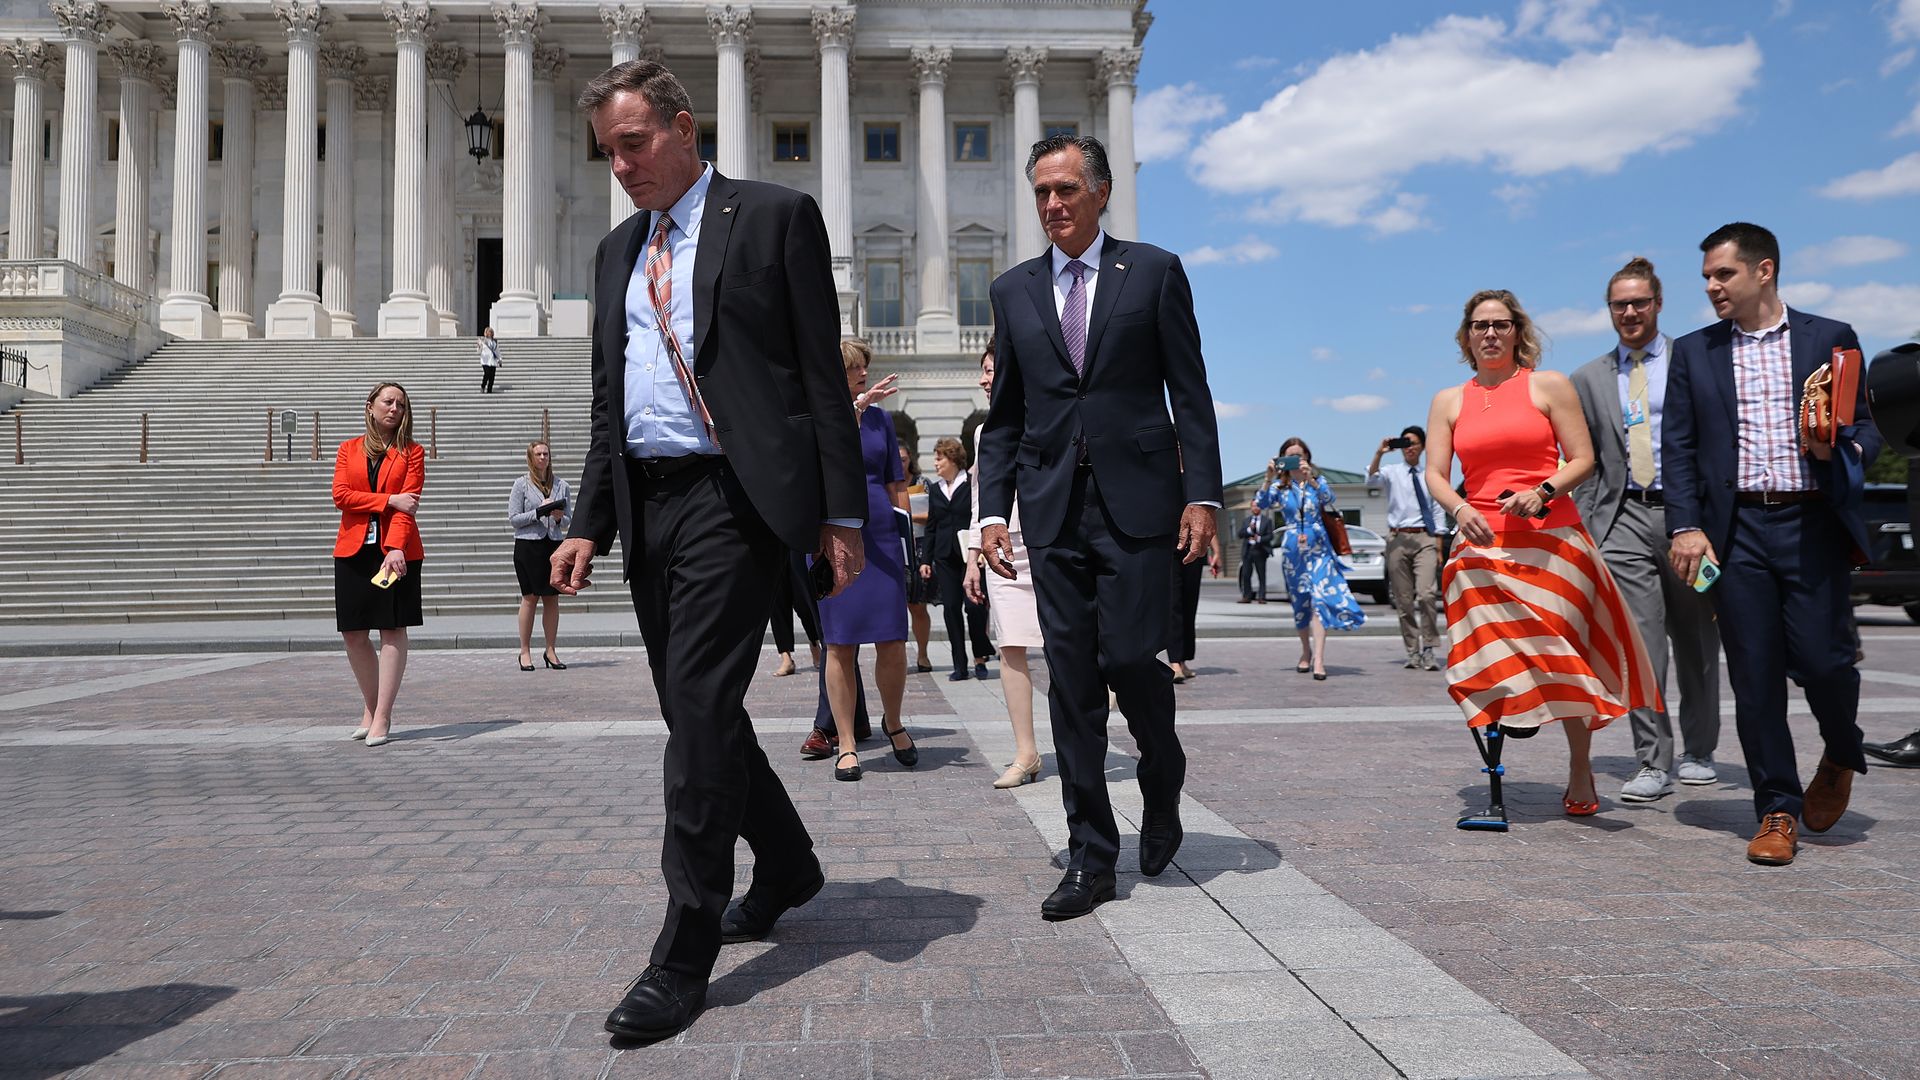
(627, 30)
(30, 60)
(445, 130)
(935, 330)
(731, 25)
(1024, 67)
(139, 62)
(241, 65)
(82, 23)
(517, 313)
(407, 312)
(833, 31)
(185, 312)
(548, 62)
(1116, 70)
(342, 64)
(297, 313)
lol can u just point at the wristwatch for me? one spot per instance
(1546, 491)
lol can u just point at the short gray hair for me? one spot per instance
(647, 78)
(1093, 157)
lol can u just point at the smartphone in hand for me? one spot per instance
(820, 577)
(1708, 574)
(1290, 463)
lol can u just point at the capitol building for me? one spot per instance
(406, 169)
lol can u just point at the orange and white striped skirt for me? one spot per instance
(1540, 632)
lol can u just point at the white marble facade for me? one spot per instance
(994, 74)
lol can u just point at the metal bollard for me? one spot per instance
(316, 434)
(269, 456)
(433, 432)
(143, 438)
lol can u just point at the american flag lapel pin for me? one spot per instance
(1119, 266)
(726, 209)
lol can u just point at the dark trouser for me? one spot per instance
(1666, 608)
(700, 585)
(792, 596)
(1783, 603)
(1103, 604)
(486, 378)
(1252, 564)
(951, 576)
(1185, 598)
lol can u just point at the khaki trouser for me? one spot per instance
(1413, 576)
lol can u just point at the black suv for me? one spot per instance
(1893, 577)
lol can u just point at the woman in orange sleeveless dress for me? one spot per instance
(1538, 629)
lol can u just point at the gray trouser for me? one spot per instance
(1667, 610)
(1413, 576)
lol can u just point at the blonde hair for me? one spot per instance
(374, 443)
(1639, 269)
(855, 352)
(544, 483)
(1526, 339)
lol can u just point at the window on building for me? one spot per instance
(971, 141)
(46, 141)
(972, 278)
(883, 293)
(499, 150)
(791, 142)
(213, 284)
(709, 142)
(1059, 127)
(320, 143)
(593, 145)
(113, 138)
(883, 142)
(216, 140)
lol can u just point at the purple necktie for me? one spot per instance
(1073, 319)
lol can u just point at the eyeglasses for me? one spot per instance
(1498, 326)
(1620, 307)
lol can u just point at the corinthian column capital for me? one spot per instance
(411, 22)
(1116, 67)
(240, 60)
(833, 26)
(626, 24)
(930, 63)
(548, 61)
(730, 24)
(445, 61)
(303, 21)
(140, 60)
(520, 24)
(193, 20)
(1025, 64)
(31, 57)
(342, 61)
(82, 20)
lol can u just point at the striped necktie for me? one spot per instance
(1073, 318)
(660, 292)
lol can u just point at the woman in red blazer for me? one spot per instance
(377, 479)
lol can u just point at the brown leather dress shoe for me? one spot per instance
(1827, 796)
(816, 746)
(1776, 841)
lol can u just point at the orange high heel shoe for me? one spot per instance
(1580, 809)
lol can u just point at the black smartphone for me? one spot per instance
(1400, 443)
(1542, 512)
(1289, 463)
(820, 578)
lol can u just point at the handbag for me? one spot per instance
(1336, 527)
(1827, 399)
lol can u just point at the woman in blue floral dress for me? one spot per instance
(1315, 583)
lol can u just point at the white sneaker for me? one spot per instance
(1429, 661)
(1647, 785)
(1413, 662)
(1697, 770)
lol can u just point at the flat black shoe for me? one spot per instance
(751, 917)
(980, 670)
(908, 757)
(847, 774)
(1319, 676)
(923, 669)
(1079, 893)
(659, 1005)
(1160, 836)
(1900, 753)
(958, 675)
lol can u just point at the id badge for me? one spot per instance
(1635, 417)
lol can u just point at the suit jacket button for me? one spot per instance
(1726, 483)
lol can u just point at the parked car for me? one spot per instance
(1892, 577)
(1366, 568)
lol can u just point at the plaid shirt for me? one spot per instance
(1769, 436)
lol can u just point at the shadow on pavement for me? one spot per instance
(1534, 803)
(27, 916)
(46, 1035)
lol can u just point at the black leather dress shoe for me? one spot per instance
(1160, 836)
(751, 917)
(1900, 753)
(658, 1005)
(1080, 892)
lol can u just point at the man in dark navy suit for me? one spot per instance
(1094, 339)
(1781, 520)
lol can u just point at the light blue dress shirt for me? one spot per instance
(1656, 362)
(660, 421)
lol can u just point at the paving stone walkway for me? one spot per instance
(200, 876)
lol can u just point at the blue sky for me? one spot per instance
(1340, 177)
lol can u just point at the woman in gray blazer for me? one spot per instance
(535, 535)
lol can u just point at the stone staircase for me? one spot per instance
(208, 528)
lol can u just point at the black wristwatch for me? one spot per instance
(1546, 491)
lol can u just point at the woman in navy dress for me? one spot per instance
(1315, 584)
(872, 610)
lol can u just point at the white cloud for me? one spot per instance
(1903, 19)
(1849, 251)
(1324, 354)
(1255, 63)
(1909, 126)
(1518, 197)
(1888, 313)
(1416, 309)
(1231, 410)
(1250, 249)
(1377, 375)
(1165, 118)
(1402, 216)
(1574, 321)
(1353, 403)
(1900, 177)
(1895, 63)
(1333, 147)
(1570, 22)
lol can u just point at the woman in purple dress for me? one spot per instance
(872, 610)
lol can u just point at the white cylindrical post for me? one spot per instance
(731, 25)
(185, 312)
(342, 63)
(297, 313)
(241, 65)
(139, 62)
(1024, 68)
(517, 313)
(935, 330)
(1118, 69)
(833, 29)
(30, 60)
(83, 23)
(626, 30)
(548, 62)
(407, 311)
(445, 61)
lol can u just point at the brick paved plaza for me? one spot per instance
(201, 876)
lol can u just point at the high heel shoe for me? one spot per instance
(1018, 774)
(909, 756)
(379, 740)
(524, 667)
(1579, 809)
(1319, 676)
(551, 661)
(847, 774)
(786, 666)
(1303, 667)
(358, 733)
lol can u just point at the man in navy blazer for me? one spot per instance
(1094, 339)
(1781, 522)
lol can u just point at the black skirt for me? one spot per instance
(533, 565)
(359, 604)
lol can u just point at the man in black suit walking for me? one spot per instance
(720, 439)
(1094, 338)
(1256, 547)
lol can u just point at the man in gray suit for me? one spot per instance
(1622, 392)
